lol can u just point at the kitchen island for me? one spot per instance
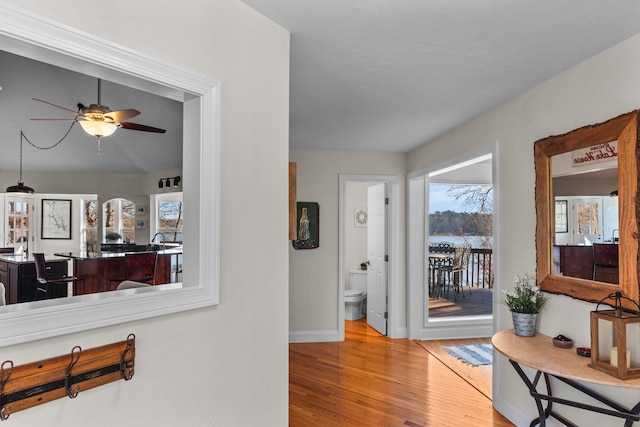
(102, 270)
(18, 273)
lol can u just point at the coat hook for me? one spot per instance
(72, 389)
(5, 411)
(126, 368)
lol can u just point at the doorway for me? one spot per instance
(353, 250)
(446, 298)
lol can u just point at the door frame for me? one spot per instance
(393, 330)
(419, 326)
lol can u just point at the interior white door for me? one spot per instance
(377, 259)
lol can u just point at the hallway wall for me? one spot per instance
(313, 273)
(602, 87)
(225, 365)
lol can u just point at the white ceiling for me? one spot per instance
(389, 75)
(126, 151)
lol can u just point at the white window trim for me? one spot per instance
(25, 33)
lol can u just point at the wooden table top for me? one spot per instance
(539, 353)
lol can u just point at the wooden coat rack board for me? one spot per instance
(25, 386)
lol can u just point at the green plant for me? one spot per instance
(112, 235)
(363, 265)
(525, 297)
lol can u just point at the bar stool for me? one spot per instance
(44, 281)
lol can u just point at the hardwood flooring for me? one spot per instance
(371, 380)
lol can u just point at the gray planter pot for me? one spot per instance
(524, 324)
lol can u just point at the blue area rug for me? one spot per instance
(476, 355)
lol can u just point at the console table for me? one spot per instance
(565, 365)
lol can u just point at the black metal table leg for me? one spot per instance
(617, 410)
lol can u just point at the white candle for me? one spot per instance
(614, 357)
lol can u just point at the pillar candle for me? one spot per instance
(614, 357)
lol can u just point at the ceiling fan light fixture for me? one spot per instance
(99, 129)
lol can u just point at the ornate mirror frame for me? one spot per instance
(624, 129)
(27, 34)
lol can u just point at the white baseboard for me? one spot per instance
(397, 333)
(313, 336)
(510, 411)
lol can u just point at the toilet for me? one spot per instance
(355, 296)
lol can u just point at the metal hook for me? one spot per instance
(72, 389)
(126, 370)
(5, 411)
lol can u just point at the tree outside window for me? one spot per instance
(89, 232)
(170, 220)
(119, 217)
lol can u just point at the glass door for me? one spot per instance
(19, 229)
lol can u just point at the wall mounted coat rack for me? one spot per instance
(25, 386)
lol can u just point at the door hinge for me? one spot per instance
(386, 315)
(386, 200)
(386, 258)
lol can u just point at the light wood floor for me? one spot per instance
(371, 380)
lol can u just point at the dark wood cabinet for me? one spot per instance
(577, 261)
(19, 278)
(101, 274)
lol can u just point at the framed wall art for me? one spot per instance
(307, 226)
(360, 217)
(56, 219)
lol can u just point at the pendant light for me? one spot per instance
(20, 188)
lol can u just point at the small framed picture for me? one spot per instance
(360, 217)
(141, 223)
(141, 210)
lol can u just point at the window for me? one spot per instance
(170, 217)
(562, 225)
(120, 218)
(89, 232)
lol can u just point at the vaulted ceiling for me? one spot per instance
(126, 151)
(390, 75)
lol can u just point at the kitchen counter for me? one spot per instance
(28, 259)
(104, 255)
(101, 270)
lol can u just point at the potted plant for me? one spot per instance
(363, 265)
(112, 236)
(524, 301)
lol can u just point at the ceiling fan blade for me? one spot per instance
(135, 126)
(57, 106)
(121, 115)
(63, 120)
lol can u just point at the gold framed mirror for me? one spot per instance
(624, 130)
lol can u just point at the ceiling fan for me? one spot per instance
(98, 120)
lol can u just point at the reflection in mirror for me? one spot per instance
(584, 184)
(119, 220)
(585, 205)
(28, 35)
(63, 161)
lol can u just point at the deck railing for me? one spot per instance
(479, 271)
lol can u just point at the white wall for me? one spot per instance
(224, 365)
(601, 88)
(355, 237)
(313, 287)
